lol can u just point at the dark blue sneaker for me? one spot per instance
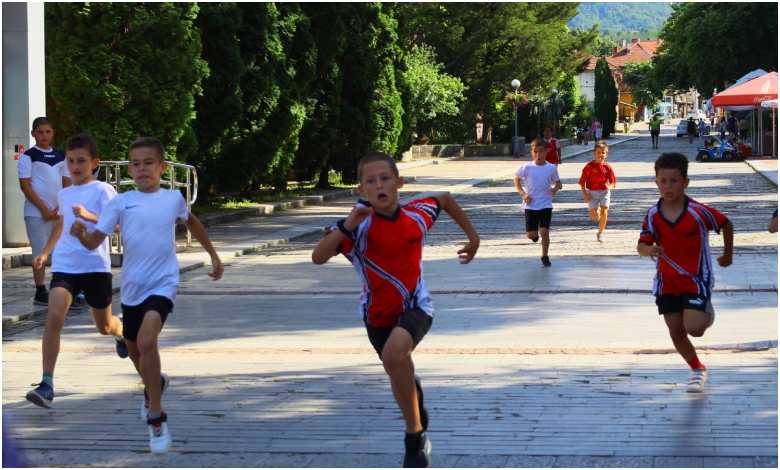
(420, 404)
(121, 347)
(41, 396)
(418, 450)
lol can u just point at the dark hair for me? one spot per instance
(83, 141)
(41, 121)
(600, 144)
(538, 142)
(376, 157)
(672, 161)
(150, 142)
(548, 127)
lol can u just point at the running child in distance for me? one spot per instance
(384, 240)
(538, 195)
(150, 271)
(676, 232)
(599, 179)
(74, 268)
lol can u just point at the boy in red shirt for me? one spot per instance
(384, 240)
(675, 231)
(599, 179)
(553, 152)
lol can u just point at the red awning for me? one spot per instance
(751, 93)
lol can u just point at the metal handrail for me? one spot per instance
(113, 177)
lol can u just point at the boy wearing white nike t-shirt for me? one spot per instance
(150, 271)
(538, 195)
(75, 269)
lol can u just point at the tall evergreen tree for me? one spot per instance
(121, 71)
(606, 97)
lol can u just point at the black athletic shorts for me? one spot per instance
(415, 321)
(536, 219)
(652, 133)
(670, 303)
(134, 314)
(96, 286)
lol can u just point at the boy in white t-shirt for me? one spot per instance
(538, 195)
(42, 174)
(75, 268)
(150, 271)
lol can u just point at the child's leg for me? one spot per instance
(396, 358)
(59, 301)
(545, 234)
(679, 334)
(696, 322)
(106, 323)
(39, 276)
(594, 214)
(603, 221)
(532, 235)
(149, 361)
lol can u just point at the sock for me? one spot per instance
(155, 415)
(40, 289)
(49, 379)
(696, 364)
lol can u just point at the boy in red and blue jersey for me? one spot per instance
(676, 231)
(384, 240)
(599, 179)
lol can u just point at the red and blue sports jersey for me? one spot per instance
(387, 254)
(552, 151)
(686, 266)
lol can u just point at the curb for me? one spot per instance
(763, 170)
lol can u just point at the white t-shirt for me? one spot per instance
(69, 255)
(537, 182)
(45, 168)
(147, 221)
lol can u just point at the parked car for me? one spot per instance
(682, 129)
(696, 114)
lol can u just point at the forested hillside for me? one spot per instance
(624, 19)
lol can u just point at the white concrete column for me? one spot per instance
(24, 99)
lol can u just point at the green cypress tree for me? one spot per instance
(121, 71)
(606, 97)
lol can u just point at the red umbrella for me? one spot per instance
(751, 93)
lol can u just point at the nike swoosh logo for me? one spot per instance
(131, 206)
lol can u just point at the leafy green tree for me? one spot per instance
(434, 93)
(486, 45)
(121, 71)
(707, 46)
(638, 77)
(606, 97)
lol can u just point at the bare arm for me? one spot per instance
(519, 185)
(585, 193)
(32, 196)
(556, 187)
(90, 240)
(328, 246)
(653, 251)
(56, 233)
(199, 232)
(82, 213)
(772, 225)
(728, 245)
(451, 207)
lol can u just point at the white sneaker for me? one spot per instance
(159, 436)
(696, 381)
(144, 408)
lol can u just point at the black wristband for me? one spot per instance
(342, 229)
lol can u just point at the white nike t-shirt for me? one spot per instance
(69, 255)
(147, 221)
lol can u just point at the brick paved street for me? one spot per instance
(525, 366)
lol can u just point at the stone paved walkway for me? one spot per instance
(525, 366)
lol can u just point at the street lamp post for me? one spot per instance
(516, 140)
(555, 111)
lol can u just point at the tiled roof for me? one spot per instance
(641, 51)
(592, 64)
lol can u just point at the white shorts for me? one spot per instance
(598, 198)
(598, 133)
(38, 232)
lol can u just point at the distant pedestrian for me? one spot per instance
(150, 270)
(655, 129)
(597, 129)
(702, 128)
(743, 129)
(538, 195)
(554, 155)
(731, 126)
(384, 240)
(585, 130)
(722, 129)
(599, 180)
(691, 129)
(675, 231)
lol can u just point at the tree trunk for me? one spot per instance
(487, 132)
(322, 182)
